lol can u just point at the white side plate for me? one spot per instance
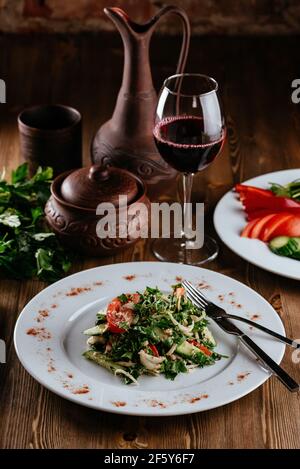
(229, 221)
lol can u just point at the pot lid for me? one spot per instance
(87, 187)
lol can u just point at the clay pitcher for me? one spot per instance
(126, 140)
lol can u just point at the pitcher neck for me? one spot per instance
(137, 76)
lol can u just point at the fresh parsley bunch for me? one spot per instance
(28, 248)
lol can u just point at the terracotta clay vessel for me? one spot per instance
(75, 195)
(126, 140)
(51, 135)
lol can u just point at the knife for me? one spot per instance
(264, 358)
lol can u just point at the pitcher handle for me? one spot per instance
(170, 9)
(129, 28)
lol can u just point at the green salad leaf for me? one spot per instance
(157, 334)
(28, 248)
(291, 190)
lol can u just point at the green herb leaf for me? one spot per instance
(27, 247)
(291, 190)
(9, 218)
(20, 174)
(42, 236)
(123, 298)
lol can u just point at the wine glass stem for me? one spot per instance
(187, 211)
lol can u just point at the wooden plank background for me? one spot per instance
(255, 78)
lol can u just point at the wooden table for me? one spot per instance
(255, 78)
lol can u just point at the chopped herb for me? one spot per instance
(154, 340)
(123, 298)
(28, 248)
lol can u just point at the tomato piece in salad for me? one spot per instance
(201, 347)
(180, 291)
(135, 298)
(117, 315)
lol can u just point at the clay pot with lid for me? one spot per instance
(75, 196)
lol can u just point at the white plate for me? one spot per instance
(60, 313)
(229, 221)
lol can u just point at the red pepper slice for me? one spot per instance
(245, 191)
(153, 350)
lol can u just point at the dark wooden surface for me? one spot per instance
(263, 135)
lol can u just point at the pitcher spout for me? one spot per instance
(124, 23)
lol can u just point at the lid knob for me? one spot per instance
(87, 187)
(98, 173)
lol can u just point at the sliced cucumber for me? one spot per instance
(102, 360)
(296, 254)
(285, 246)
(187, 350)
(96, 330)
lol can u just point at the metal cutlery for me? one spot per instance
(220, 316)
(216, 311)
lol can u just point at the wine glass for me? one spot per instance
(189, 133)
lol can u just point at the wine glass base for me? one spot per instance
(173, 250)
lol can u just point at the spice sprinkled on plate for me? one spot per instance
(119, 403)
(81, 390)
(77, 291)
(204, 286)
(42, 315)
(198, 398)
(40, 332)
(51, 366)
(255, 317)
(242, 376)
(129, 277)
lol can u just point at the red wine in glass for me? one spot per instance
(184, 144)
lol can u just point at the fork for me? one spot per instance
(216, 312)
(222, 319)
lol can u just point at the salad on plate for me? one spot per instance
(151, 333)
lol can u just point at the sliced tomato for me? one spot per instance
(116, 314)
(153, 350)
(259, 226)
(292, 227)
(201, 347)
(286, 225)
(134, 297)
(180, 291)
(247, 230)
(274, 227)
